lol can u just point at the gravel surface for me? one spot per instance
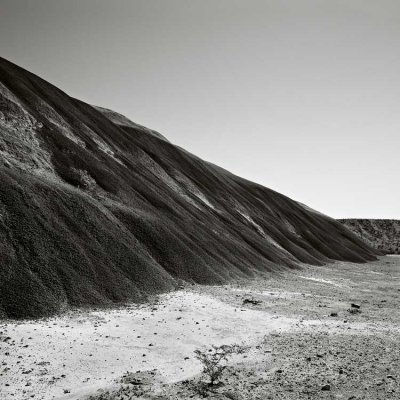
(330, 332)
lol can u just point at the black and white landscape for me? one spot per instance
(132, 268)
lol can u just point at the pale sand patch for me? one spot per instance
(276, 294)
(320, 280)
(92, 349)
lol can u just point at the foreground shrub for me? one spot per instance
(214, 360)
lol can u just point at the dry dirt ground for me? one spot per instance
(306, 341)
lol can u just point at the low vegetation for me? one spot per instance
(215, 359)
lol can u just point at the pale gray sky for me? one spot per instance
(302, 96)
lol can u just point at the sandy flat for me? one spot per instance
(76, 354)
(83, 351)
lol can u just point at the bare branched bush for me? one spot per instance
(215, 360)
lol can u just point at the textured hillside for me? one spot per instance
(96, 209)
(382, 234)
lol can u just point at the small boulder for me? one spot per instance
(252, 301)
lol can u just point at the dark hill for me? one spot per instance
(382, 234)
(96, 209)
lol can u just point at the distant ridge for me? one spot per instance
(382, 234)
(95, 209)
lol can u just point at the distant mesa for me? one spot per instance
(382, 234)
(96, 209)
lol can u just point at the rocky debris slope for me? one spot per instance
(382, 234)
(95, 209)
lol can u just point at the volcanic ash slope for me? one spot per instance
(95, 209)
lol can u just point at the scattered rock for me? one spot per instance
(354, 311)
(252, 301)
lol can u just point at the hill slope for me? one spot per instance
(96, 209)
(382, 234)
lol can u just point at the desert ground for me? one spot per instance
(327, 332)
